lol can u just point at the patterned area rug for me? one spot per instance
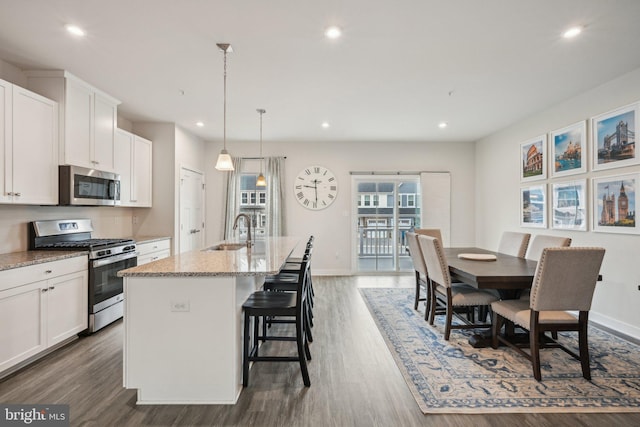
(453, 377)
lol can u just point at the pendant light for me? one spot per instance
(224, 162)
(261, 181)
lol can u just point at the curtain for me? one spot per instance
(232, 197)
(274, 173)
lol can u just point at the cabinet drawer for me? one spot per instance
(150, 247)
(154, 256)
(46, 270)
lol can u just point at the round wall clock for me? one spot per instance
(315, 187)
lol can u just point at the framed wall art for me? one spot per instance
(569, 205)
(533, 159)
(614, 204)
(569, 150)
(613, 138)
(533, 206)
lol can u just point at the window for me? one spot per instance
(253, 201)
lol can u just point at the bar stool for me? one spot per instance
(289, 282)
(264, 304)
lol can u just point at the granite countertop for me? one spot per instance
(264, 258)
(27, 258)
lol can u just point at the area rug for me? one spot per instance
(453, 377)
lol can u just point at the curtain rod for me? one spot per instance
(260, 158)
(394, 173)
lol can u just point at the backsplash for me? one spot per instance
(107, 222)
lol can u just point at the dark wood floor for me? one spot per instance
(355, 381)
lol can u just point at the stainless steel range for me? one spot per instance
(106, 258)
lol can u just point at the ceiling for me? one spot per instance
(399, 69)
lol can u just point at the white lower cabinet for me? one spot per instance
(41, 306)
(153, 251)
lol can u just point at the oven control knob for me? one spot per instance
(101, 253)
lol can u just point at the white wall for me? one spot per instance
(332, 227)
(617, 297)
(108, 222)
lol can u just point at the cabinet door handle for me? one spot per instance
(154, 258)
(10, 193)
(48, 271)
(51, 288)
(17, 194)
(44, 290)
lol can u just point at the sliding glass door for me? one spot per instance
(385, 207)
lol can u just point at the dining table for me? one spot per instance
(507, 274)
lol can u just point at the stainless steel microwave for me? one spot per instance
(88, 187)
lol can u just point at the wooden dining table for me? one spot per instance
(507, 274)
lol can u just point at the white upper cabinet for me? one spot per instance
(133, 157)
(88, 118)
(28, 147)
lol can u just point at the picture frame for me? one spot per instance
(533, 206)
(569, 206)
(615, 199)
(610, 131)
(533, 159)
(569, 150)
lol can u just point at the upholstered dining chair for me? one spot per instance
(420, 269)
(564, 280)
(541, 241)
(514, 243)
(444, 294)
(537, 245)
(433, 232)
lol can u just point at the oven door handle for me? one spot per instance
(113, 259)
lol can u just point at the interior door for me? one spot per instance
(191, 210)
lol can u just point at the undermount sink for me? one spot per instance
(226, 247)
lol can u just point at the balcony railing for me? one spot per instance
(379, 241)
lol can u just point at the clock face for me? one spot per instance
(315, 187)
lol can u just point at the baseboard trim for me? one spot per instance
(615, 327)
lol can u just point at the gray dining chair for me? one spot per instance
(444, 294)
(420, 270)
(564, 281)
(433, 232)
(541, 241)
(514, 243)
(537, 245)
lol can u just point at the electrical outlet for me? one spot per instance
(181, 306)
(134, 219)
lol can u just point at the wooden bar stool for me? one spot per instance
(263, 304)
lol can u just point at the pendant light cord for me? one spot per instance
(224, 113)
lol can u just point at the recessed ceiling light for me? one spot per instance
(443, 125)
(325, 125)
(199, 124)
(75, 30)
(333, 32)
(572, 32)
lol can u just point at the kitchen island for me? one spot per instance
(183, 321)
